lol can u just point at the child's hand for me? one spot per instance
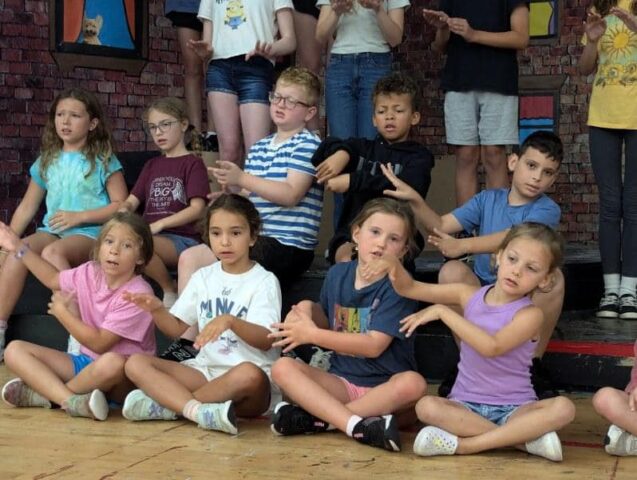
(436, 18)
(403, 191)
(461, 27)
(625, 16)
(213, 330)
(331, 166)
(594, 27)
(378, 267)
(9, 241)
(262, 49)
(339, 184)
(413, 321)
(145, 301)
(291, 335)
(156, 227)
(342, 6)
(227, 173)
(202, 49)
(62, 303)
(63, 220)
(371, 4)
(449, 246)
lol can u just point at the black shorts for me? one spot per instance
(306, 6)
(185, 20)
(287, 263)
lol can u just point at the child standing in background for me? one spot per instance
(480, 79)
(234, 302)
(371, 375)
(352, 166)
(88, 302)
(364, 32)
(492, 403)
(80, 181)
(242, 38)
(172, 188)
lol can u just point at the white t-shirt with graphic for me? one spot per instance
(254, 296)
(238, 24)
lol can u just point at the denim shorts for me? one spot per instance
(498, 414)
(251, 81)
(80, 362)
(180, 242)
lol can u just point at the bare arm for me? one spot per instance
(287, 39)
(517, 38)
(27, 208)
(438, 19)
(525, 326)
(254, 335)
(326, 24)
(454, 247)
(191, 213)
(169, 325)
(594, 28)
(117, 193)
(391, 24)
(131, 204)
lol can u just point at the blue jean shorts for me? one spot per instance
(251, 81)
(498, 414)
(180, 242)
(80, 362)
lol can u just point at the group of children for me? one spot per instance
(263, 234)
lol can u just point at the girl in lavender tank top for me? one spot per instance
(492, 403)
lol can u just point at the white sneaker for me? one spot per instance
(89, 405)
(217, 416)
(620, 442)
(432, 441)
(73, 346)
(139, 406)
(547, 446)
(16, 393)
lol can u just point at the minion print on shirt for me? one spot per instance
(235, 15)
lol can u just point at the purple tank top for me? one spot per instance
(502, 380)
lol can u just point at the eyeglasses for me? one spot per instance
(161, 127)
(288, 102)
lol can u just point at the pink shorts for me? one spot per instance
(354, 391)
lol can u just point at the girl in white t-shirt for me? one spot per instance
(88, 302)
(234, 302)
(242, 38)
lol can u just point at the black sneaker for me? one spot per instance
(628, 307)
(380, 432)
(209, 142)
(180, 350)
(289, 419)
(608, 306)
(542, 381)
(447, 383)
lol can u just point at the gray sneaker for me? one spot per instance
(138, 406)
(16, 393)
(217, 416)
(89, 405)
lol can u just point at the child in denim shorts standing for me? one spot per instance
(242, 38)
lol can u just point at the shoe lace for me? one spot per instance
(628, 301)
(608, 299)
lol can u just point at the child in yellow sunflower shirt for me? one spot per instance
(610, 45)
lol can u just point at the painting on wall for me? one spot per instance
(538, 111)
(108, 34)
(543, 19)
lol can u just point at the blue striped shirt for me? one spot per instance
(296, 226)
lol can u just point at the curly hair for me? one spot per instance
(603, 6)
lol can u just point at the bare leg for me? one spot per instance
(106, 374)
(612, 404)
(193, 75)
(255, 123)
(308, 50)
(165, 256)
(225, 114)
(494, 160)
(551, 304)
(467, 160)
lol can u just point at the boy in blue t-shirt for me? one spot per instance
(491, 213)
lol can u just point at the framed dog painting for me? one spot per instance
(105, 34)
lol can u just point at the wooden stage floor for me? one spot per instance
(45, 444)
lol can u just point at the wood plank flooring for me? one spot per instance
(45, 444)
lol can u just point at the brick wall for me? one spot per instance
(29, 79)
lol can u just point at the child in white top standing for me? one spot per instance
(492, 403)
(80, 181)
(234, 302)
(173, 189)
(88, 302)
(242, 37)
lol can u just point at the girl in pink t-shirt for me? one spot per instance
(87, 301)
(172, 189)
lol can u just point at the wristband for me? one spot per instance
(20, 252)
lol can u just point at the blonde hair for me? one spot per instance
(176, 108)
(140, 229)
(390, 206)
(304, 78)
(99, 142)
(541, 233)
